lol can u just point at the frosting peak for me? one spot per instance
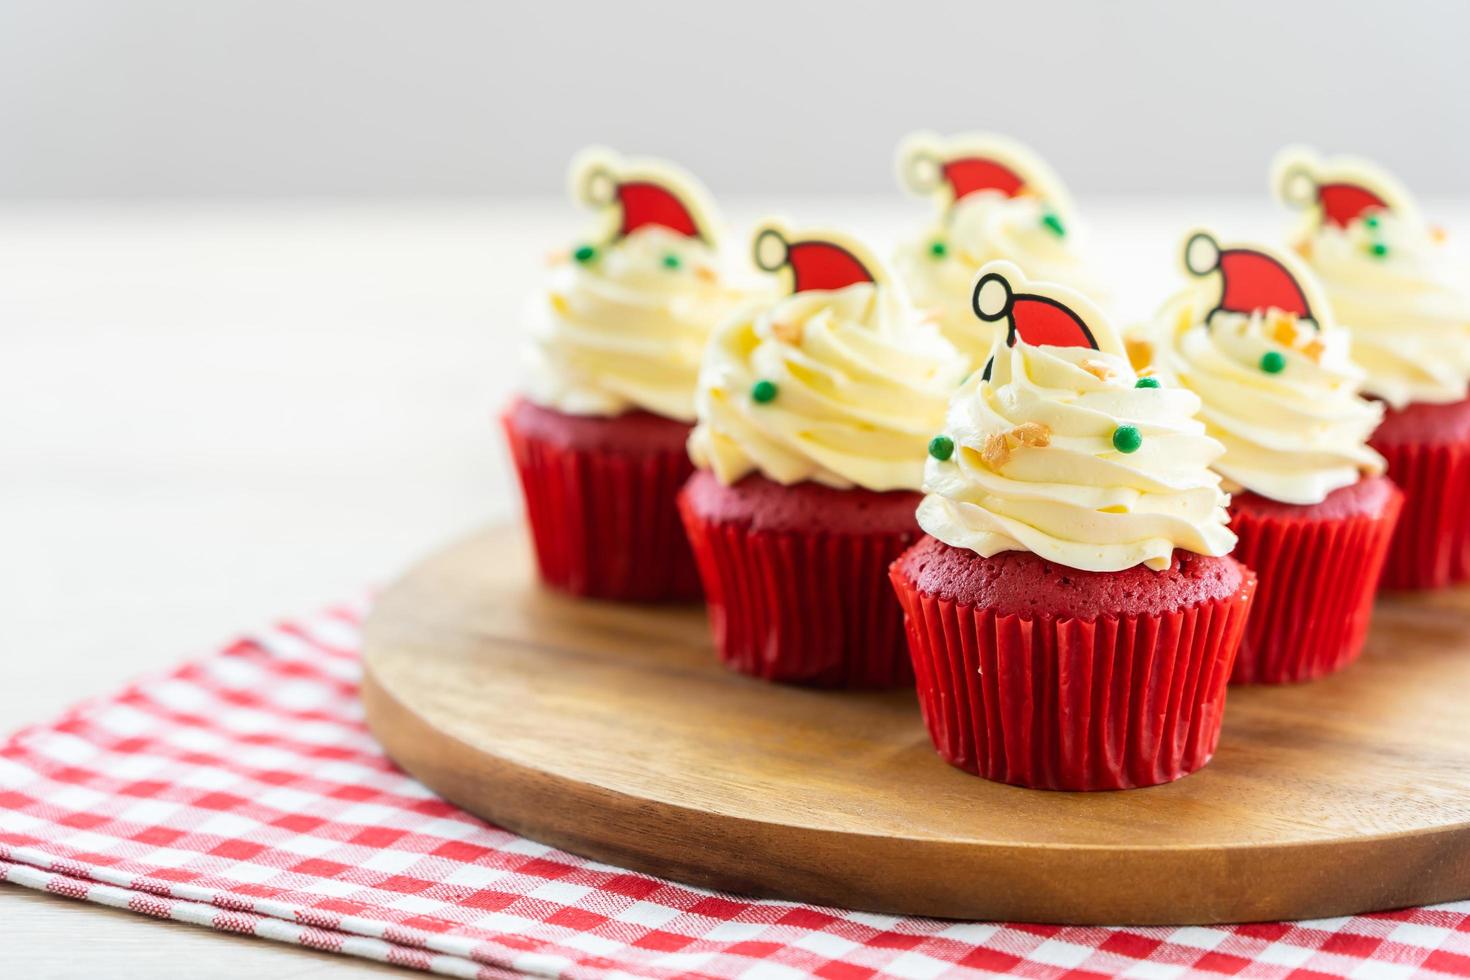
(996, 200)
(1253, 338)
(623, 320)
(1059, 451)
(838, 383)
(1393, 283)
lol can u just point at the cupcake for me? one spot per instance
(598, 436)
(815, 410)
(1072, 612)
(1254, 339)
(1405, 300)
(995, 200)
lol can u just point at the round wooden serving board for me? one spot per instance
(611, 731)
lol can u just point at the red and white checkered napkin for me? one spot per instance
(242, 792)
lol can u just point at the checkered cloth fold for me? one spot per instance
(242, 792)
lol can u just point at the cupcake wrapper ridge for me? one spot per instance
(808, 607)
(1315, 598)
(1431, 548)
(1070, 704)
(605, 523)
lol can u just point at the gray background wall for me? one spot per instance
(447, 97)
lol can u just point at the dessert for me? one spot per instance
(1072, 614)
(598, 437)
(1404, 297)
(815, 411)
(994, 199)
(1255, 340)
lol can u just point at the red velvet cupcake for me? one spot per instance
(600, 500)
(1404, 297)
(1254, 339)
(1041, 675)
(1327, 558)
(814, 411)
(1072, 616)
(773, 557)
(599, 439)
(1427, 447)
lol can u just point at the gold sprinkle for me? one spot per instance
(1098, 370)
(1304, 248)
(1036, 434)
(1314, 349)
(559, 304)
(1000, 445)
(1438, 233)
(997, 451)
(788, 333)
(1140, 353)
(1284, 328)
(705, 274)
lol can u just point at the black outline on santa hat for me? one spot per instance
(1010, 304)
(1304, 172)
(1311, 316)
(786, 246)
(929, 154)
(601, 171)
(939, 153)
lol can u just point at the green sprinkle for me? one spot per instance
(584, 254)
(763, 391)
(1379, 249)
(1053, 223)
(1146, 383)
(1371, 221)
(938, 249)
(941, 447)
(672, 261)
(1273, 362)
(1127, 439)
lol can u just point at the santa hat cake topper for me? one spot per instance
(1341, 189)
(953, 168)
(1253, 278)
(815, 259)
(641, 193)
(1040, 313)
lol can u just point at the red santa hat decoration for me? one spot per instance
(1253, 278)
(951, 169)
(814, 259)
(1041, 314)
(638, 194)
(1338, 191)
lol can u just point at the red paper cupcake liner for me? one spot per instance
(1317, 581)
(1431, 548)
(604, 522)
(802, 607)
(1073, 704)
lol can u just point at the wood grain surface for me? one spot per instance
(611, 731)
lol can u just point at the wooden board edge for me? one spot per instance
(1070, 885)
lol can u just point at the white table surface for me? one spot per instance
(212, 416)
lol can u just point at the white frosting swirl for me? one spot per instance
(1077, 500)
(860, 387)
(1408, 310)
(978, 229)
(1293, 435)
(627, 329)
